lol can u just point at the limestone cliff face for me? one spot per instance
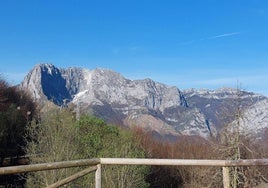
(151, 105)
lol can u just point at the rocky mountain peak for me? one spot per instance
(146, 103)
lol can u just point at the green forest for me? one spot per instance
(54, 134)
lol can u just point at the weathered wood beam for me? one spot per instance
(184, 162)
(225, 177)
(98, 177)
(73, 177)
(48, 166)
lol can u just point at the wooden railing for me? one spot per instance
(95, 166)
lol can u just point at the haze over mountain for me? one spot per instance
(163, 109)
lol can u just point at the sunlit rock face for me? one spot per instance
(144, 103)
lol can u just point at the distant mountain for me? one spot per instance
(254, 120)
(154, 106)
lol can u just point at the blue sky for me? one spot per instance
(186, 43)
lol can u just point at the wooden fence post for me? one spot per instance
(98, 177)
(225, 177)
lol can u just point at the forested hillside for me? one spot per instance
(57, 133)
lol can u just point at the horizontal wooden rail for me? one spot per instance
(129, 161)
(184, 162)
(48, 166)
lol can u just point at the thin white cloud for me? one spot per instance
(189, 42)
(224, 35)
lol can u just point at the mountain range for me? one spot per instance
(165, 110)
